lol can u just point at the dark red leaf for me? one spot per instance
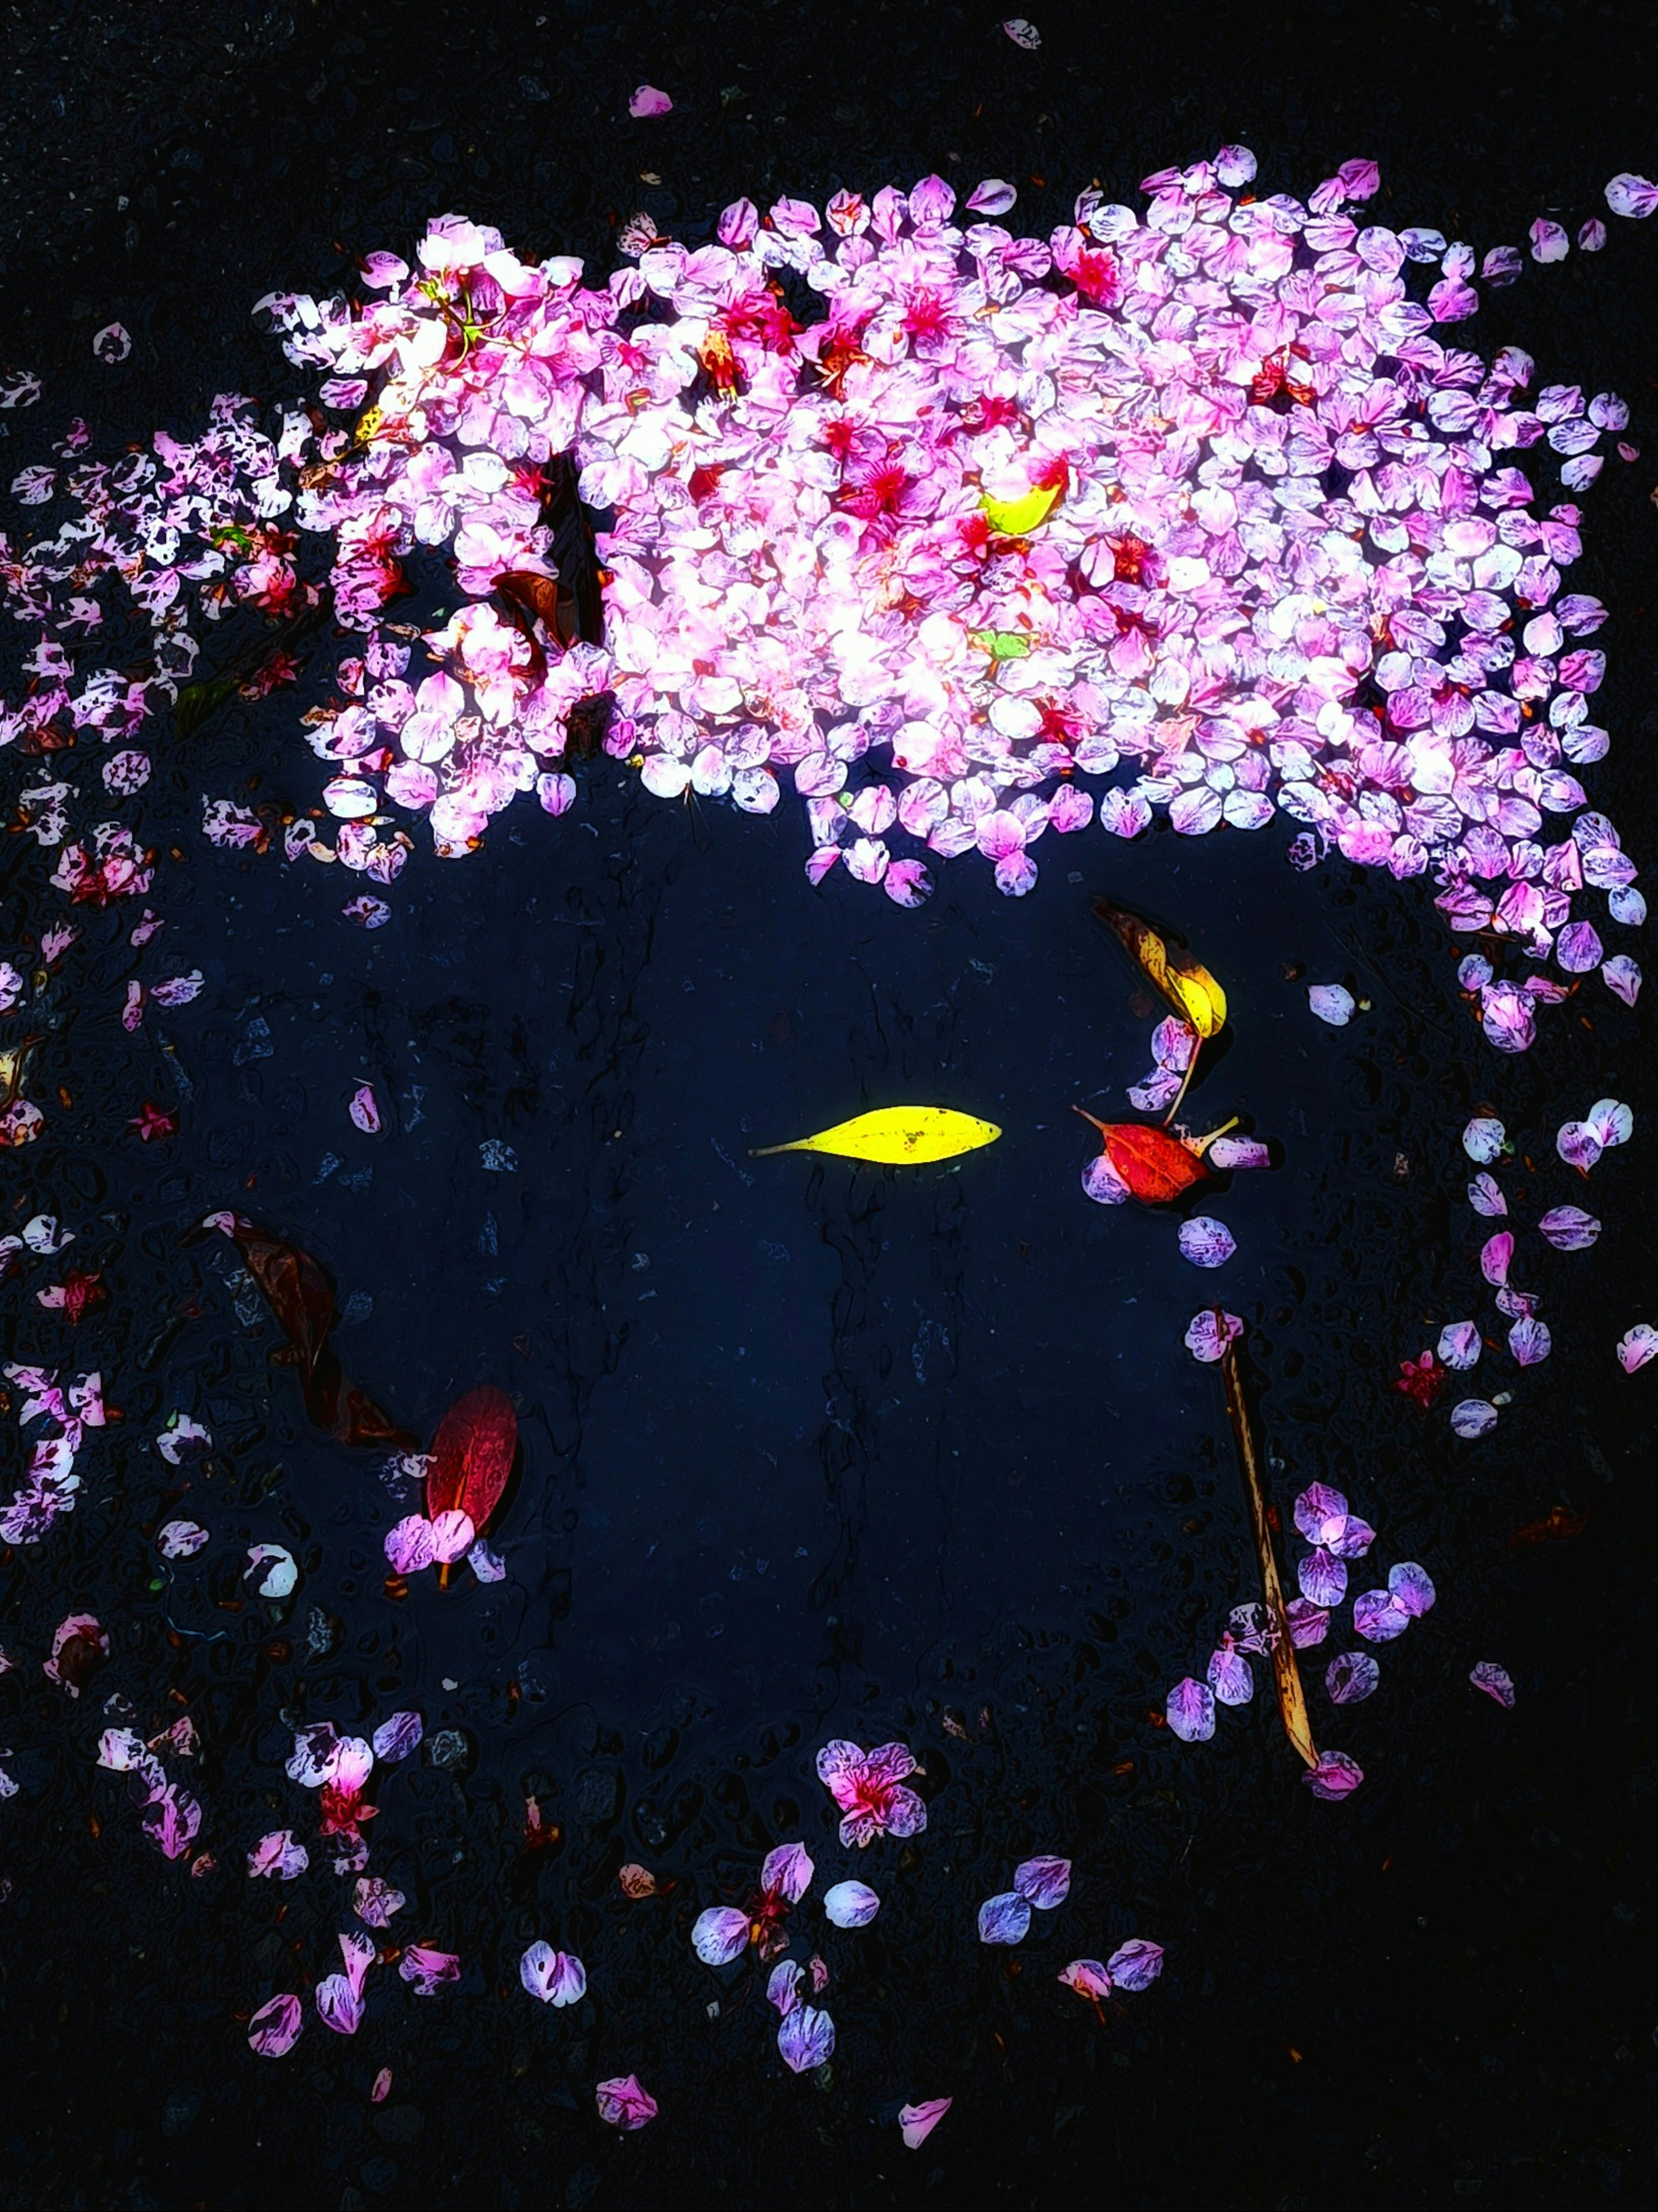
(1157, 1166)
(472, 1456)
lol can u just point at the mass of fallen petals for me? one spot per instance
(977, 536)
(50, 1482)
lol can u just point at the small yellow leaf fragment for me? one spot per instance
(1017, 518)
(897, 1136)
(1189, 987)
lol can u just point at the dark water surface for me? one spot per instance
(812, 1450)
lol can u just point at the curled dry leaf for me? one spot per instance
(1189, 987)
(897, 1136)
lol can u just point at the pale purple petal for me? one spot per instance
(1529, 1341)
(1483, 1138)
(1622, 978)
(1410, 1588)
(783, 1985)
(1209, 1333)
(1043, 1882)
(556, 1977)
(1459, 1344)
(789, 1871)
(452, 1536)
(1578, 948)
(1350, 1676)
(409, 1544)
(1637, 1346)
(850, 1904)
(1230, 1676)
(994, 197)
(1004, 1919)
(1190, 1712)
(1577, 1145)
(1229, 1153)
(1318, 1510)
(1377, 1618)
(396, 1738)
(1485, 1196)
(1631, 195)
(427, 1970)
(1308, 1623)
(805, 2040)
(720, 1934)
(1495, 1681)
(1611, 1122)
(1103, 1184)
(1333, 1003)
(1472, 1417)
(1205, 1242)
(339, 2006)
(1135, 1965)
(1322, 1578)
(1569, 1229)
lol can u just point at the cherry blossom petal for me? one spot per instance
(1135, 1965)
(1483, 1138)
(396, 1738)
(788, 1871)
(1350, 1676)
(1485, 1196)
(622, 2103)
(1209, 1333)
(805, 2040)
(1459, 1345)
(1333, 1003)
(555, 1977)
(1335, 1777)
(1495, 1681)
(1636, 1345)
(850, 1904)
(1205, 1242)
(1088, 1978)
(1472, 1417)
(275, 2028)
(1190, 1711)
(1410, 1588)
(720, 1934)
(1569, 1229)
(918, 2121)
(1004, 1918)
(1043, 1882)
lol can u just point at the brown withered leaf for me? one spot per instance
(299, 1293)
(1557, 1521)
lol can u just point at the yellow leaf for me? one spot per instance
(1189, 987)
(1017, 518)
(898, 1136)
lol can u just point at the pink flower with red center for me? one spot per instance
(868, 1788)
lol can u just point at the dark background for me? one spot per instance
(949, 1413)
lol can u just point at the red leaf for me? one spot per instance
(1157, 1166)
(472, 1456)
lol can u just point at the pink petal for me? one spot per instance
(1377, 1619)
(275, 2028)
(1209, 1333)
(1495, 1256)
(365, 1110)
(647, 100)
(1529, 1341)
(1087, 1977)
(1323, 1578)
(1335, 1777)
(1495, 1681)
(918, 2121)
(1637, 1346)
(1486, 1197)
(622, 2103)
